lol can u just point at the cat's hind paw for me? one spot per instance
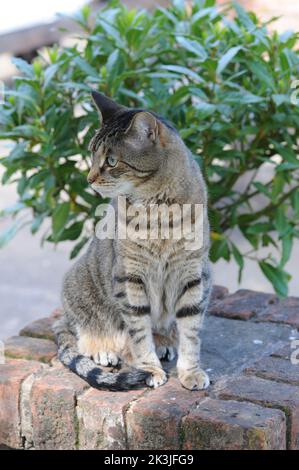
(106, 358)
(166, 353)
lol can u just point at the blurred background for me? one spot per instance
(31, 275)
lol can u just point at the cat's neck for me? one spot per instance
(181, 183)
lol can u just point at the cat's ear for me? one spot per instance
(106, 106)
(144, 127)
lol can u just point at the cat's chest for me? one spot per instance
(163, 282)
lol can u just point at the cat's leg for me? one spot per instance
(166, 343)
(190, 310)
(136, 313)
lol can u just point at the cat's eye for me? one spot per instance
(112, 160)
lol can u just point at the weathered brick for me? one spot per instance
(232, 425)
(266, 393)
(12, 374)
(22, 347)
(242, 305)
(101, 418)
(40, 328)
(218, 292)
(53, 400)
(153, 421)
(275, 368)
(282, 311)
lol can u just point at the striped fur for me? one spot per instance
(128, 302)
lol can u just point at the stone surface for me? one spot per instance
(12, 374)
(40, 328)
(22, 347)
(283, 311)
(218, 292)
(230, 345)
(284, 352)
(242, 305)
(101, 418)
(269, 394)
(154, 420)
(232, 425)
(275, 368)
(53, 401)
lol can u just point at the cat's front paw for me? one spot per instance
(195, 380)
(157, 378)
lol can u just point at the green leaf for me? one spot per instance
(184, 71)
(72, 232)
(244, 17)
(280, 221)
(78, 247)
(13, 209)
(261, 71)
(238, 258)
(287, 244)
(60, 217)
(242, 97)
(295, 202)
(227, 58)
(37, 222)
(50, 73)
(193, 46)
(261, 188)
(24, 67)
(220, 249)
(276, 276)
(10, 232)
(280, 99)
(85, 67)
(259, 228)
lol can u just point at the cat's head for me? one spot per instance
(130, 152)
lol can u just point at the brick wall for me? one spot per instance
(44, 406)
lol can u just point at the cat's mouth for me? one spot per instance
(121, 189)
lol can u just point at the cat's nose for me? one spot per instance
(92, 176)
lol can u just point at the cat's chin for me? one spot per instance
(102, 191)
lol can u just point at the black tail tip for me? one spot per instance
(121, 381)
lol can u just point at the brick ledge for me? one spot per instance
(44, 406)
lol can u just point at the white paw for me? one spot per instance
(106, 358)
(197, 380)
(167, 353)
(157, 378)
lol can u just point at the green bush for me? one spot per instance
(226, 84)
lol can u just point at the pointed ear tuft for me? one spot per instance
(144, 126)
(106, 106)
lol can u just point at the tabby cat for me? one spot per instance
(136, 302)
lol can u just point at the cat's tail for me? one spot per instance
(88, 370)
